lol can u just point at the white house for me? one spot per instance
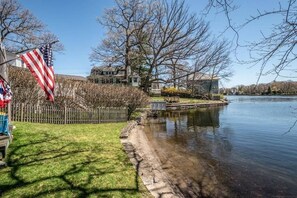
(15, 62)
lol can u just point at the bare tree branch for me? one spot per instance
(276, 50)
(20, 30)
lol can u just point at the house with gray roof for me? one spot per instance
(113, 75)
(203, 83)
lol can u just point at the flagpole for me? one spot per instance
(23, 51)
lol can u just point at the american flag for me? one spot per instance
(40, 63)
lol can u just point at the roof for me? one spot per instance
(107, 68)
(65, 76)
(71, 77)
(202, 76)
(113, 68)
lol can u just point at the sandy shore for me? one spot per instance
(147, 163)
(161, 174)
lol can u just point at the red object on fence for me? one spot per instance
(5, 93)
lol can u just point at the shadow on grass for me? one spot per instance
(49, 166)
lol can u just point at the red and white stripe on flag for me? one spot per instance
(43, 73)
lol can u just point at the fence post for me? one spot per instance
(22, 112)
(65, 114)
(108, 113)
(99, 115)
(9, 112)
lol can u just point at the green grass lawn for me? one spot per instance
(87, 160)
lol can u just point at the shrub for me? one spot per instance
(23, 85)
(95, 95)
(78, 94)
(171, 91)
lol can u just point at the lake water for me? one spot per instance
(245, 149)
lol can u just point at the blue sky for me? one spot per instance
(74, 22)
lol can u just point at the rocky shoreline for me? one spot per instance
(159, 175)
(146, 162)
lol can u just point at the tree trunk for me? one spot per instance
(147, 80)
(174, 76)
(127, 62)
(3, 68)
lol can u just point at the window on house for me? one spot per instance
(135, 80)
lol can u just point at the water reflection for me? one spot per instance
(264, 99)
(239, 150)
(188, 137)
(195, 130)
(204, 117)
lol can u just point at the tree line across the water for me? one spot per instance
(273, 88)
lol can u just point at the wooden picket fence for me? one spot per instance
(57, 115)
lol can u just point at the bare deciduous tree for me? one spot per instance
(20, 29)
(17, 25)
(24, 86)
(214, 61)
(95, 96)
(217, 61)
(275, 50)
(173, 35)
(156, 38)
(122, 22)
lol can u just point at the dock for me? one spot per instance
(163, 106)
(178, 106)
